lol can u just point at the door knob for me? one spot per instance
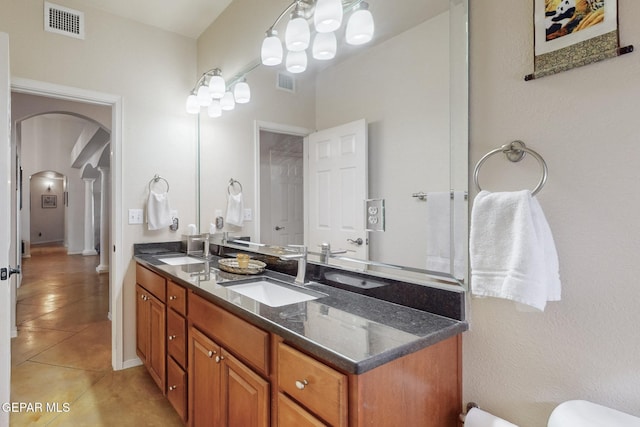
(278, 228)
(358, 241)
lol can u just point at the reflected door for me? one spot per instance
(286, 203)
(338, 189)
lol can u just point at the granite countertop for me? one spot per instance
(350, 331)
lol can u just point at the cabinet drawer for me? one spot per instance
(177, 297)
(152, 282)
(177, 337)
(316, 386)
(292, 414)
(177, 388)
(249, 343)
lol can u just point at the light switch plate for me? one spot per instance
(374, 214)
(248, 215)
(135, 216)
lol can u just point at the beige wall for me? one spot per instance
(153, 71)
(584, 122)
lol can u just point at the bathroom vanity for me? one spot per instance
(340, 358)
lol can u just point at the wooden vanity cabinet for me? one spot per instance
(218, 369)
(151, 323)
(223, 390)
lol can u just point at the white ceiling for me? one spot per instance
(187, 17)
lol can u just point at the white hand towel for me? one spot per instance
(235, 208)
(512, 253)
(439, 231)
(158, 211)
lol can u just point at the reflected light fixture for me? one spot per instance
(296, 62)
(242, 92)
(214, 110)
(327, 17)
(360, 26)
(228, 102)
(325, 46)
(211, 91)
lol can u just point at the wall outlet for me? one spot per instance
(135, 216)
(248, 215)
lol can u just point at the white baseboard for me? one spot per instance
(131, 363)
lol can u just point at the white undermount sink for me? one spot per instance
(272, 293)
(181, 260)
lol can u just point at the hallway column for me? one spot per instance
(105, 208)
(89, 245)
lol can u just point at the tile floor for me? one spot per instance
(62, 355)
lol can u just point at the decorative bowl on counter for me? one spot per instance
(231, 265)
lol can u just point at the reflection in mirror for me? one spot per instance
(409, 87)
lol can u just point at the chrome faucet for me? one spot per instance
(205, 241)
(326, 253)
(301, 256)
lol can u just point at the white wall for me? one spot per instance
(153, 71)
(584, 122)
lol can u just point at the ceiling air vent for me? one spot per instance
(286, 82)
(62, 20)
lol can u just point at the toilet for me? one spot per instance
(580, 413)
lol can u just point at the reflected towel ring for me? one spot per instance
(157, 178)
(232, 183)
(514, 151)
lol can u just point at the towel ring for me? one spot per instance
(515, 152)
(157, 178)
(232, 183)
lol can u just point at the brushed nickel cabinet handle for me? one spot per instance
(301, 384)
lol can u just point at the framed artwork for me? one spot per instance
(572, 33)
(49, 201)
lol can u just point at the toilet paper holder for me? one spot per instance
(470, 405)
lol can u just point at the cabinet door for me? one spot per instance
(142, 323)
(245, 395)
(204, 380)
(157, 356)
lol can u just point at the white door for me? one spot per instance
(338, 189)
(5, 228)
(286, 201)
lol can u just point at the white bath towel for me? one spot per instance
(235, 208)
(439, 231)
(512, 253)
(460, 237)
(158, 211)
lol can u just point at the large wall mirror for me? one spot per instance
(407, 90)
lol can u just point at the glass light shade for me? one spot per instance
(214, 109)
(271, 52)
(227, 102)
(242, 92)
(297, 35)
(297, 62)
(193, 106)
(204, 96)
(217, 86)
(325, 46)
(328, 15)
(360, 27)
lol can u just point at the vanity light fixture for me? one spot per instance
(212, 91)
(327, 16)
